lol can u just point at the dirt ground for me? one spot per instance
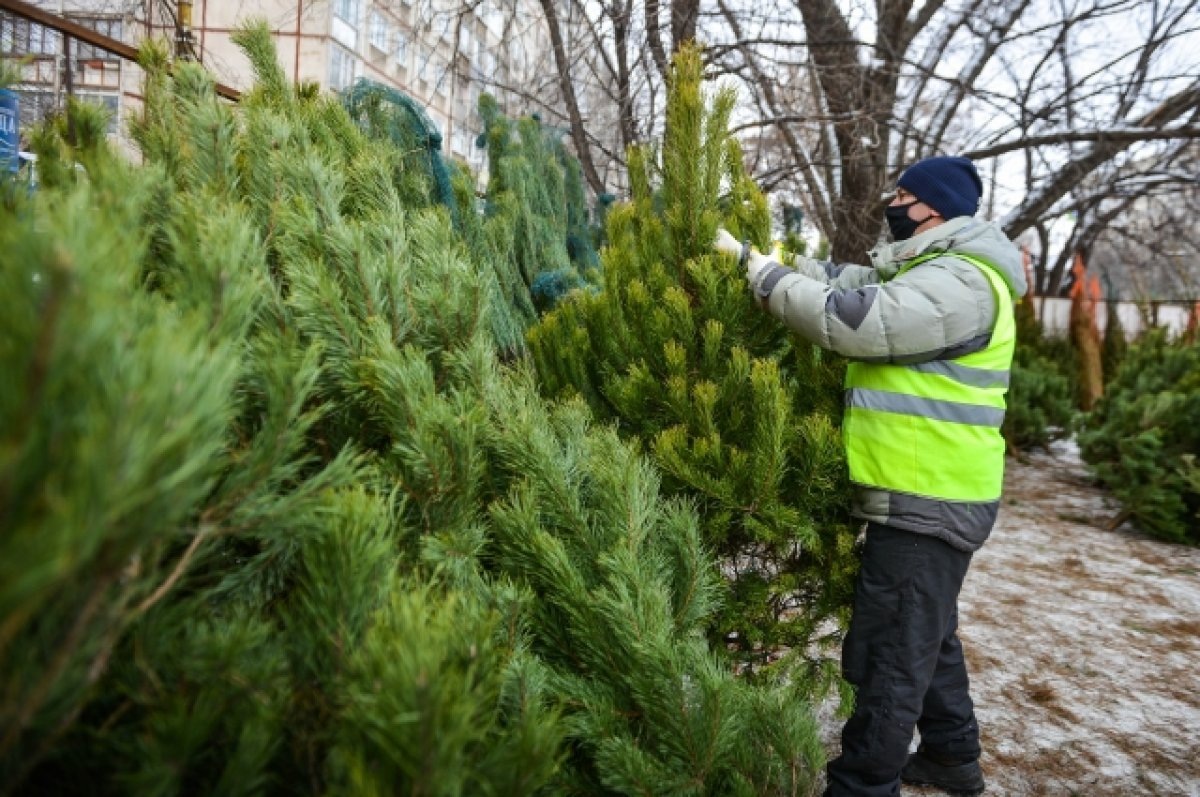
(1083, 645)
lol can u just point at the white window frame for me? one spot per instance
(348, 11)
(400, 50)
(380, 31)
(343, 67)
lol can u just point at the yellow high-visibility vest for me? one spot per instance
(932, 429)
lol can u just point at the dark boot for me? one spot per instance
(963, 778)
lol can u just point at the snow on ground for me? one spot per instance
(1083, 645)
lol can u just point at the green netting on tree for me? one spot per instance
(384, 111)
(535, 199)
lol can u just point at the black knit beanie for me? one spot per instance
(949, 185)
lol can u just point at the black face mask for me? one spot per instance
(900, 224)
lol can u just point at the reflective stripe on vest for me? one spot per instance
(932, 429)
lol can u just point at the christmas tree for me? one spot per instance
(1115, 344)
(535, 210)
(278, 520)
(1041, 407)
(388, 114)
(739, 414)
(1142, 438)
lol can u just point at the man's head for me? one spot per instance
(949, 185)
(933, 191)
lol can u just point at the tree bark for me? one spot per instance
(567, 86)
(654, 36)
(622, 16)
(860, 102)
(684, 15)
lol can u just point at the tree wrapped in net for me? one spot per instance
(536, 213)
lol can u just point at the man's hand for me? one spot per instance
(757, 264)
(727, 244)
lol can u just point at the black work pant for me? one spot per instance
(904, 659)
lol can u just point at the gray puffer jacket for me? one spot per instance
(939, 310)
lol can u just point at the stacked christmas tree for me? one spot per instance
(1142, 438)
(1041, 405)
(739, 414)
(535, 215)
(276, 519)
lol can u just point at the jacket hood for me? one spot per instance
(966, 235)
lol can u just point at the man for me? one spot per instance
(929, 329)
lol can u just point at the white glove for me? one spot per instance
(727, 244)
(757, 265)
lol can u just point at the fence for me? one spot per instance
(1055, 315)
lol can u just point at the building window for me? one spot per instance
(379, 32)
(401, 50)
(491, 16)
(94, 66)
(342, 65)
(36, 106)
(21, 37)
(110, 103)
(487, 64)
(347, 11)
(107, 26)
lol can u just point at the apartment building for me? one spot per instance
(438, 52)
(52, 66)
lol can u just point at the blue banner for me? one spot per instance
(10, 140)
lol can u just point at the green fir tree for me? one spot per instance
(1115, 345)
(1143, 437)
(740, 415)
(1041, 406)
(278, 520)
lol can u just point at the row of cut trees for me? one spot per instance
(277, 516)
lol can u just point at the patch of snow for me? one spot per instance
(1083, 645)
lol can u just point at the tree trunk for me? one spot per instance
(578, 134)
(654, 36)
(1086, 336)
(860, 100)
(684, 14)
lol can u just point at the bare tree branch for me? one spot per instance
(1127, 136)
(578, 135)
(1038, 202)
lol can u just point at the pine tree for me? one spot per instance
(1041, 408)
(278, 520)
(739, 414)
(1115, 345)
(138, 436)
(535, 206)
(1142, 437)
